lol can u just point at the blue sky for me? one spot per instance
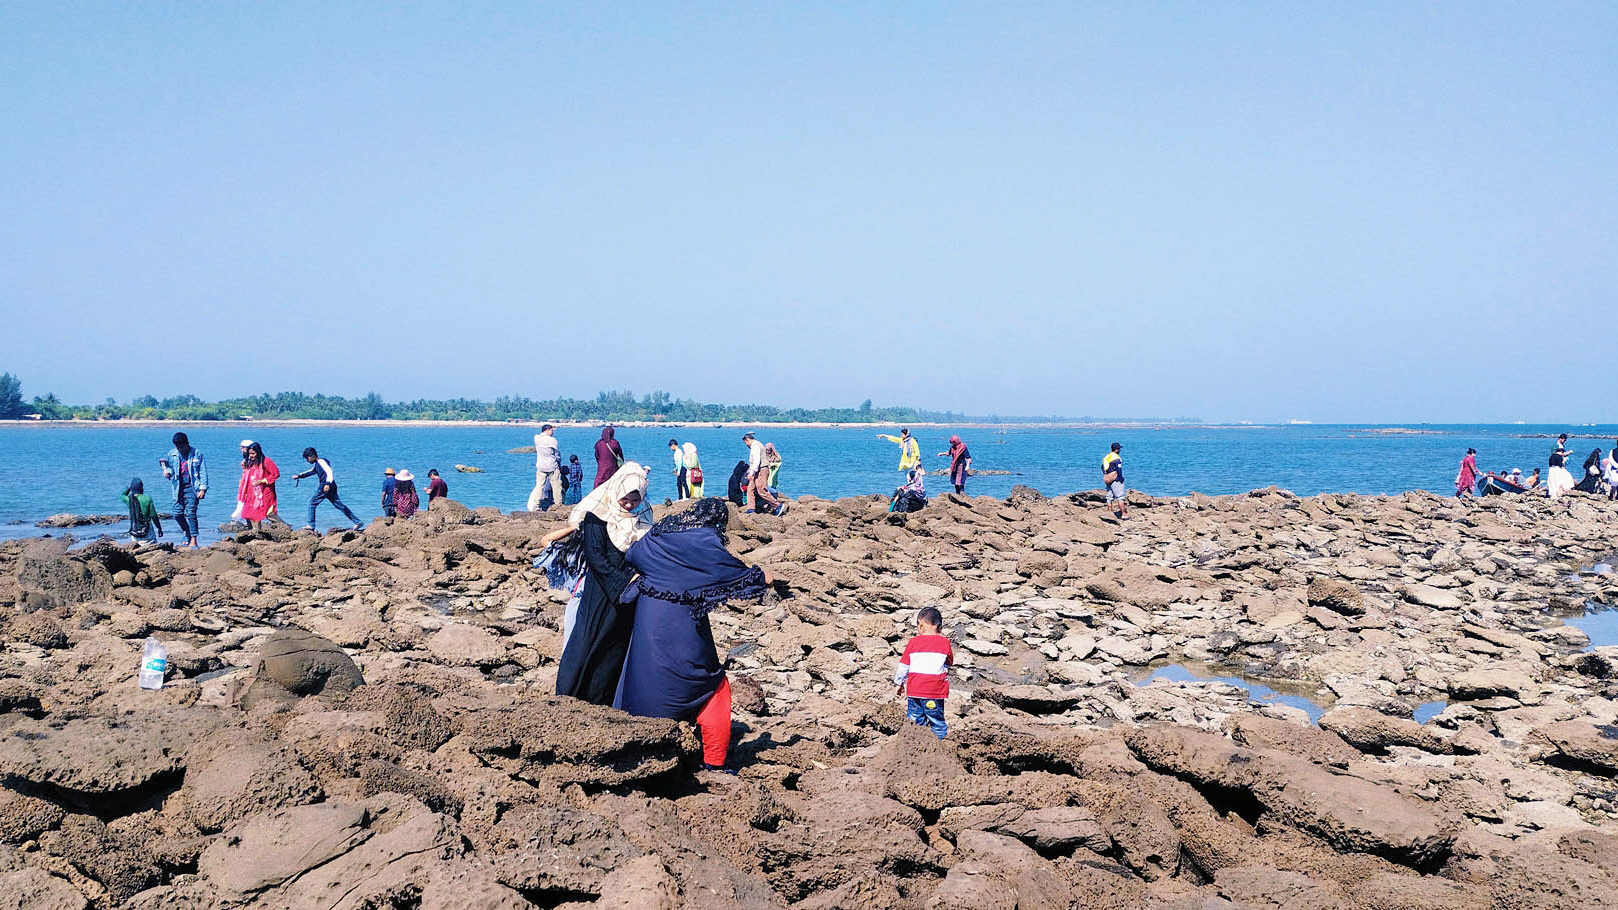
(1362, 212)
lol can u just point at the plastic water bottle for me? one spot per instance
(154, 664)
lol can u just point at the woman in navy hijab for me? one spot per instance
(672, 669)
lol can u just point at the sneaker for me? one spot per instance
(781, 509)
(308, 527)
(719, 769)
(359, 528)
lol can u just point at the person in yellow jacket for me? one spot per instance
(909, 450)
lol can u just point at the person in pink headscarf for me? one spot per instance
(1466, 482)
(960, 463)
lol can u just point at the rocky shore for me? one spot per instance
(362, 720)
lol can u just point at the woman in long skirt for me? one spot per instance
(593, 652)
(673, 669)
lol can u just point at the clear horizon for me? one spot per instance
(1263, 213)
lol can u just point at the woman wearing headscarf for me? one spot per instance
(609, 455)
(672, 668)
(772, 463)
(258, 487)
(960, 463)
(912, 496)
(693, 470)
(1591, 481)
(405, 498)
(595, 640)
(144, 524)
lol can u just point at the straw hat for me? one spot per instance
(387, 470)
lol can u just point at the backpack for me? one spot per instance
(693, 476)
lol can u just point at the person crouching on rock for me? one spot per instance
(923, 672)
(912, 496)
(142, 514)
(672, 669)
(596, 637)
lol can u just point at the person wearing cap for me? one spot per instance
(390, 486)
(547, 470)
(1112, 476)
(405, 500)
(1515, 476)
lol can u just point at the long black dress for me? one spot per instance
(593, 657)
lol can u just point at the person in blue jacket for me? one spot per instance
(185, 470)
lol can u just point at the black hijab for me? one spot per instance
(709, 512)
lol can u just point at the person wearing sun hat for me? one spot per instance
(405, 500)
(389, 484)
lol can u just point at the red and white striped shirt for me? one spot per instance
(924, 668)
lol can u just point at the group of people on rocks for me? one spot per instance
(256, 498)
(1598, 474)
(558, 482)
(635, 632)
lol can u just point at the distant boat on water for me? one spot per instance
(1300, 423)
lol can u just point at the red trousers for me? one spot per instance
(713, 722)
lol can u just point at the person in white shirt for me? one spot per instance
(547, 470)
(681, 489)
(759, 498)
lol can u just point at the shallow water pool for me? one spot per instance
(1257, 692)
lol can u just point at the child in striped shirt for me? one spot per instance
(923, 672)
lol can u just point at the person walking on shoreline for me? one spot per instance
(960, 463)
(909, 449)
(325, 488)
(681, 490)
(609, 456)
(1466, 481)
(185, 470)
(258, 487)
(547, 470)
(1112, 476)
(759, 498)
(436, 487)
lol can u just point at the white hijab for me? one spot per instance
(691, 455)
(623, 526)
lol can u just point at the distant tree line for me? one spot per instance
(606, 407)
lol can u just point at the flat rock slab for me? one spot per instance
(1350, 813)
(1437, 598)
(270, 848)
(100, 755)
(1582, 743)
(563, 740)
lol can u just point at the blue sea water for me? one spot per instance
(52, 468)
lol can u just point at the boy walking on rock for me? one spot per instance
(923, 672)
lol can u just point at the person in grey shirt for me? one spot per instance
(547, 470)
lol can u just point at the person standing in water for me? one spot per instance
(681, 491)
(547, 470)
(575, 482)
(143, 517)
(1112, 476)
(1466, 481)
(185, 470)
(909, 449)
(609, 456)
(960, 463)
(325, 489)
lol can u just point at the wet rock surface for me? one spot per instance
(365, 720)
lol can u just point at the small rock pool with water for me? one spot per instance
(1260, 694)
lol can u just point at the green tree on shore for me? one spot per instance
(11, 406)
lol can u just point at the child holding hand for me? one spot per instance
(923, 672)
